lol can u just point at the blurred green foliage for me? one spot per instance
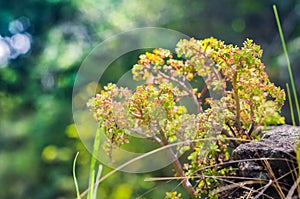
(38, 140)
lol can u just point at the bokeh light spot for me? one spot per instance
(4, 52)
(19, 25)
(21, 43)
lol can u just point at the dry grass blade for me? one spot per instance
(150, 153)
(293, 188)
(236, 185)
(264, 189)
(242, 185)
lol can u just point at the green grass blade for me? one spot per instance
(93, 164)
(288, 61)
(291, 104)
(74, 176)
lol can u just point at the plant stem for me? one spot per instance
(237, 101)
(186, 183)
(203, 91)
(287, 61)
(177, 166)
(181, 84)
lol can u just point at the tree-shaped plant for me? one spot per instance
(240, 101)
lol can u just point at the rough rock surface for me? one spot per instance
(276, 150)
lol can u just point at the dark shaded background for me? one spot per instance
(38, 140)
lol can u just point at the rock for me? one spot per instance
(274, 153)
